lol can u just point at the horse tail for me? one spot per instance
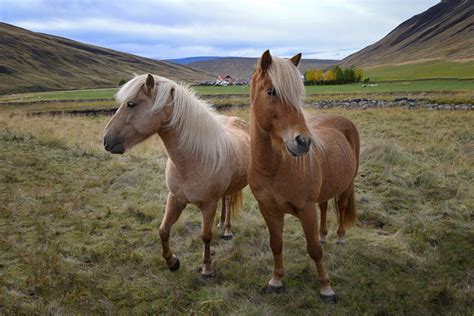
(350, 213)
(236, 201)
(346, 207)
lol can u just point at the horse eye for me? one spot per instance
(271, 92)
(131, 104)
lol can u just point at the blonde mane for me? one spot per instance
(286, 80)
(201, 135)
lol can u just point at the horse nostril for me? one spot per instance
(300, 140)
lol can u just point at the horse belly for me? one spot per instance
(237, 163)
(339, 172)
(197, 188)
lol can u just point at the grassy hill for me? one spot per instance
(440, 69)
(242, 68)
(438, 43)
(445, 31)
(32, 61)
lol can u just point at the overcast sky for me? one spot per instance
(174, 29)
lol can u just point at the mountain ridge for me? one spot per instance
(242, 67)
(31, 61)
(444, 31)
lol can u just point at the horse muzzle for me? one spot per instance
(113, 146)
(299, 146)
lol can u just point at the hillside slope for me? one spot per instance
(242, 67)
(32, 61)
(445, 31)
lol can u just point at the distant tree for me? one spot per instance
(329, 76)
(358, 74)
(349, 75)
(334, 75)
(309, 75)
(319, 76)
(339, 75)
(334, 68)
(122, 82)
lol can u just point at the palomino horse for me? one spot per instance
(207, 153)
(296, 162)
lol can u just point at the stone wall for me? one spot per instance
(403, 103)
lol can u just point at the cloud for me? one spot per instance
(171, 29)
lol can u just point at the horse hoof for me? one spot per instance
(227, 237)
(340, 241)
(175, 266)
(322, 240)
(207, 276)
(328, 299)
(274, 289)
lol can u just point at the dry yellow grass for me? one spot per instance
(78, 227)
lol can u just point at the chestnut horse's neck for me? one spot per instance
(194, 138)
(264, 156)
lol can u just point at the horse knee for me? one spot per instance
(206, 237)
(164, 234)
(315, 251)
(276, 246)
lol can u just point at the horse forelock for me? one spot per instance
(286, 80)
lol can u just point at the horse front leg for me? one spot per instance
(172, 213)
(309, 222)
(275, 228)
(208, 213)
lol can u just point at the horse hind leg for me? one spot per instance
(208, 211)
(234, 203)
(227, 232)
(323, 231)
(345, 206)
(221, 223)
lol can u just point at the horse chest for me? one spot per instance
(282, 196)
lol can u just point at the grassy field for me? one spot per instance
(430, 69)
(86, 94)
(78, 227)
(348, 90)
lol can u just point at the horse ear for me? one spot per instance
(265, 60)
(150, 83)
(172, 94)
(296, 59)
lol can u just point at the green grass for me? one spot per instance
(58, 106)
(436, 91)
(216, 90)
(86, 94)
(428, 70)
(78, 227)
(382, 87)
(348, 89)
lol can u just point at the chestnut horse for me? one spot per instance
(207, 153)
(296, 162)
